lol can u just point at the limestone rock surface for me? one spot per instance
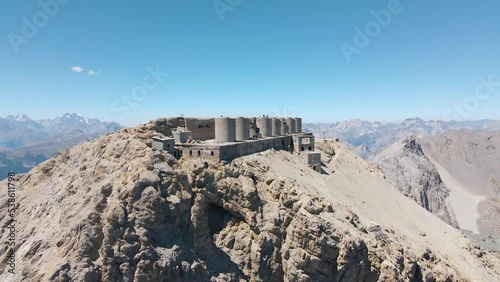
(114, 209)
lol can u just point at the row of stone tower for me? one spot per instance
(240, 129)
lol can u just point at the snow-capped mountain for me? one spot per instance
(16, 131)
(24, 142)
(20, 130)
(68, 121)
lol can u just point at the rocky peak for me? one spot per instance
(21, 118)
(406, 166)
(413, 146)
(120, 211)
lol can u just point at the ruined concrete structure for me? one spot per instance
(201, 129)
(182, 136)
(313, 159)
(226, 138)
(303, 142)
(165, 144)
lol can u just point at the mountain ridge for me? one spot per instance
(406, 166)
(20, 130)
(368, 138)
(120, 210)
(463, 169)
(25, 142)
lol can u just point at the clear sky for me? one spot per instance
(250, 57)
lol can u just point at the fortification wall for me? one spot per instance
(201, 128)
(276, 127)
(198, 151)
(234, 150)
(255, 146)
(284, 127)
(165, 126)
(254, 129)
(291, 125)
(242, 128)
(225, 129)
(265, 126)
(181, 136)
(298, 125)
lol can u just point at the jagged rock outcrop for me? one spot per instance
(453, 175)
(116, 210)
(410, 170)
(470, 163)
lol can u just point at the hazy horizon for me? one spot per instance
(194, 116)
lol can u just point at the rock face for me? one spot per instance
(471, 157)
(453, 175)
(406, 166)
(114, 209)
(471, 161)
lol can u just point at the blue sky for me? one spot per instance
(261, 57)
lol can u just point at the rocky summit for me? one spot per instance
(453, 175)
(114, 209)
(406, 166)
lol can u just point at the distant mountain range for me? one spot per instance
(25, 142)
(368, 138)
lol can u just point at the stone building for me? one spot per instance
(226, 138)
(313, 159)
(165, 144)
(303, 142)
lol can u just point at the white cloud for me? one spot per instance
(77, 69)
